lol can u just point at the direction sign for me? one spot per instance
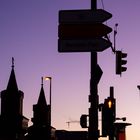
(83, 45)
(83, 16)
(73, 31)
(83, 30)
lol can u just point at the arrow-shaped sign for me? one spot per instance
(97, 75)
(75, 31)
(83, 16)
(83, 45)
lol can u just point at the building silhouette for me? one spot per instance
(71, 135)
(41, 128)
(13, 124)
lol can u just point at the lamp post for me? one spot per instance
(50, 79)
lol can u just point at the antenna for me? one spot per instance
(42, 81)
(115, 33)
(12, 62)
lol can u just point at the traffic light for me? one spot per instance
(120, 62)
(83, 121)
(108, 115)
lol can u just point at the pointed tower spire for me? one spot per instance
(41, 110)
(12, 110)
(12, 84)
(42, 99)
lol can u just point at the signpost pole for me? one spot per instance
(83, 31)
(93, 132)
(93, 4)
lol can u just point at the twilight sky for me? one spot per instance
(29, 33)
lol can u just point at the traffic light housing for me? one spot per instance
(120, 62)
(83, 121)
(108, 115)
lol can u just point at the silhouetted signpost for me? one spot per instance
(83, 45)
(75, 31)
(83, 16)
(83, 31)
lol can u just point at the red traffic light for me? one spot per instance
(108, 114)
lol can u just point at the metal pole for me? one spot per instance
(50, 99)
(50, 103)
(111, 133)
(93, 132)
(50, 106)
(93, 4)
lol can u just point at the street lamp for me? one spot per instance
(50, 79)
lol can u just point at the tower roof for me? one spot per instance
(12, 83)
(42, 99)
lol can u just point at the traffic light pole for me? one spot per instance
(111, 133)
(93, 132)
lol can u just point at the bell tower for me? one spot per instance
(40, 128)
(12, 119)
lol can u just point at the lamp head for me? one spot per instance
(48, 78)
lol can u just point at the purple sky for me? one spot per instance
(29, 33)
